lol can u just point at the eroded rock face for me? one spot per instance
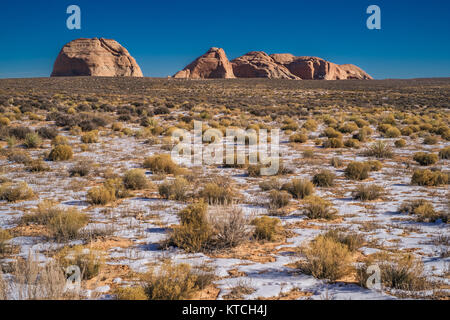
(258, 64)
(313, 68)
(214, 64)
(95, 57)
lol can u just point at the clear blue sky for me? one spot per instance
(166, 35)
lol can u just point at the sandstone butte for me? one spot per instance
(95, 57)
(258, 64)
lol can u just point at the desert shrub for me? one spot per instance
(267, 228)
(357, 170)
(310, 125)
(423, 209)
(327, 259)
(429, 178)
(89, 261)
(90, 137)
(20, 132)
(379, 150)
(81, 169)
(48, 132)
(135, 179)
(217, 193)
(444, 153)
(101, 195)
(61, 153)
(130, 294)
(348, 127)
(32, 140)
(425, 159)
(368, 192)
(299, 188)
(175, 190)
(289, 125)
(5, 236)
(117, 186)
(392, 132)
(195, 232)
(298, 138)
(162, 164)
(4, 121)
(15, 192)
(430, 140)
(353, 241)
(308, 154)
(19, 156)
(374, 165)
(37, 166)
(403, 272)
(60, 140)
(332, 133)
(407, 131)
(254, 170)
(333, 143)
(400, 143)
(352, 143)
(336, 162)
(324, 178)
(270, 184)
(318, 208)
(230, 227)
(278, 199)
(172, 282)
(117, 126)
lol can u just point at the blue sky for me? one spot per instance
(164, 36)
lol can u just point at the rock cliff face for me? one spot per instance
(95, 57)
(213, 64)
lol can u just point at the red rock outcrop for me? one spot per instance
(95, 57)
(258, 64)
(214, 64)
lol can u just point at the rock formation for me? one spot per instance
(258, 64)
(213, 64)
(95, 57)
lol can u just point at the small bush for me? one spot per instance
(400, 143)
(423, 209)
(37, 166)
(334, 143)
(89, 261)
(392, 133)
(368, 192)
(19, 156)
(270, 184)
(267, 228)
(48, 132)
(353, 241)
(174, 190)
(135, 179)
(61, 153)
(81, 169)
(5, 236)
(430, 140)
(101, 195)
(324, 178)
(60, 140)
(444, 153)
(352, 143)
(130, 294)
(215, 194)
(15, 192)
(90, 137)
(357, 170)
(230, 227)
(310, 125)
(32, 140)
(278, 199)
(429, 178)
(332, 133)
(348, 127)
(425, 159)
(336, 162)
(162, 164)
(318, 208)
(298, 138)
(299, 188)
(379, 150)
(374, 165)
(327, 259)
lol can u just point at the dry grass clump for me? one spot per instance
(267, 228)
(318, 208)
(60, 140)
(298, 138)
(270, 184)
(48, 132)
(425, 159)
(5, 236)
(62, 224)
(336, 162)
(299, 188)
(379, 150)
(130, 294)
(230, 227)
(310, 125)
(444, 153)
(81, 169)
(175, 281)
(430, 140)
(37, 166)
(89, 261)
(326, 259)
(90, 137)
(101, 195)
(423, 209)
(15, 192)
(135, 179)
(368, 192)
(175, 190)
(61, 153)
(402, 272)
(32, 140)
(278, 199)
(333, 143)
(332, 133)
(400, 143)
(352, 143)
(392, 132)
(162, 163)
(353, 241)
(19, 156)
(357, 170)
(218, 193)
(429, 178)
(324, 178)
